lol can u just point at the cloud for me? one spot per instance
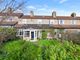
(62, 1)
(46, 10)
(18, 11)
(41, 9)
(59, 12)
(31, 7)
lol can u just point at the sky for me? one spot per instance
(45, 7)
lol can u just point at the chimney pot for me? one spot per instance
(31, 13)
(54, 14)
(73, 14)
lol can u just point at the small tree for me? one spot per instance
(44, 34)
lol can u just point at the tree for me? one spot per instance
(12, 5)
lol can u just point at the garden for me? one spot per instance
(13, 48)
(40, 50)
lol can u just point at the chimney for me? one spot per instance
(9, 10)
(31, 13)
(73, 14)
(54, 14)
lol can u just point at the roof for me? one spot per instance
(22, 16)
(11, 14)
(7, 23)
(47, 26)
(50, 17)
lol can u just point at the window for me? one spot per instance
(39, 21)
(35, 33)
(27, 33)
(24, 21)
(61, 21)
(21, 33)
(73, 22)
(52, 21)
(10, 18)
(1, 18)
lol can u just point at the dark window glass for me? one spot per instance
(27, 33)
(21, 32)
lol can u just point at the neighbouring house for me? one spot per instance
(29, 27)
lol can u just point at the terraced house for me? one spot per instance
(30, 27)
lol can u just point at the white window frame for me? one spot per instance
(73, 22)
(10, 18)
(27, 34)
(61, 22)
(19, 32)
(24, 21)
(52, 22)
(39, 21)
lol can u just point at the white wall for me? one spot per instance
(52, 21)
(37, 21)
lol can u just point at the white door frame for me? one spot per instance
(35, 34)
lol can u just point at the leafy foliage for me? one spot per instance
(41, 50)
(44, 34)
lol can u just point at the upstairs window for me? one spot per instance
(73, 22)
(39, 21)
(10, 18)
(61, 21)
(51, 22)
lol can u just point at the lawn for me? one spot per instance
(40, 50)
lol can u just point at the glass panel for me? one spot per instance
(51, 21)
(20, 32)
(32, 35)
(27, 33)
(39, 21)
(73, 22)
(61, 21)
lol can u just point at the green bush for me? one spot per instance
(41, 50)
(44, 34)
(19, 50)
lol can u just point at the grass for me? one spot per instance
(13, 45)
(40, 50)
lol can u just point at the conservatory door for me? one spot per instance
(32, 35)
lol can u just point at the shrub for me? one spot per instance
(75, 37)
(7, 34)
(44, 34)
(20, 50)
(41, 50)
